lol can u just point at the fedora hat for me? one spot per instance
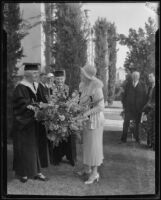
(89, 71)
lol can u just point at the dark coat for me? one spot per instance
(42, 93)
(134, 98)
(150, 100)
(24, 133)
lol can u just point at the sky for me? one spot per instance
(125, 16)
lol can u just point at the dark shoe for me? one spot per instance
(56, 163)
(41, 178)
(122, 141)
(23, 179)
(17, 176)
(72, 162)
(138, 141)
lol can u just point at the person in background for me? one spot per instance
(42, 94)
(149, 110)
(128, 79)
(26, 163)
(133, 100)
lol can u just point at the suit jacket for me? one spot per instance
(134, 98)
(150, 100)
(42, 93)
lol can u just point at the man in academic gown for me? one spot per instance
(42, 95)
(65, 148)
(26, 163)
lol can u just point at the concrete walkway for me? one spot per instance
(113, 120)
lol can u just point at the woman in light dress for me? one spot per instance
(91, 92)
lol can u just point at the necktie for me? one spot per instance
(34, 86)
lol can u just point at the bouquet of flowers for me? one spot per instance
(59, 116)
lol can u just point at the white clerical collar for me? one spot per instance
(30, 85)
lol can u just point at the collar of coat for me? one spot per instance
(42, 84)
(30, 85)
(135, 83)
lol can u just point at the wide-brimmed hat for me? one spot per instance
(89, 71)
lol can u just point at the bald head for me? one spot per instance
(135, 76)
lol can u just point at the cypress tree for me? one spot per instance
(105, 56)
(111, 38)
(101, 51)
(69, 49)
(12, 24)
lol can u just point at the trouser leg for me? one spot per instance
(137, 124)
(125, 128)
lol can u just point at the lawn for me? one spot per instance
(127, 169)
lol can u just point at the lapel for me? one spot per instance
(43, 90)
(137, 85)
(42, 86)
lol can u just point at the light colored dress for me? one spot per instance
(93, 130)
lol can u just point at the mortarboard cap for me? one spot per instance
(31, 66)
(59, 73)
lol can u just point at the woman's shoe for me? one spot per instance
(24, 179)
(92, 179)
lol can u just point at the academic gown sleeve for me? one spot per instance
(21, 99)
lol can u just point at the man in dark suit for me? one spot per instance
(134, 99)
(42, 95)
(149, 110)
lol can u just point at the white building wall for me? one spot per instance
(33, 43)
